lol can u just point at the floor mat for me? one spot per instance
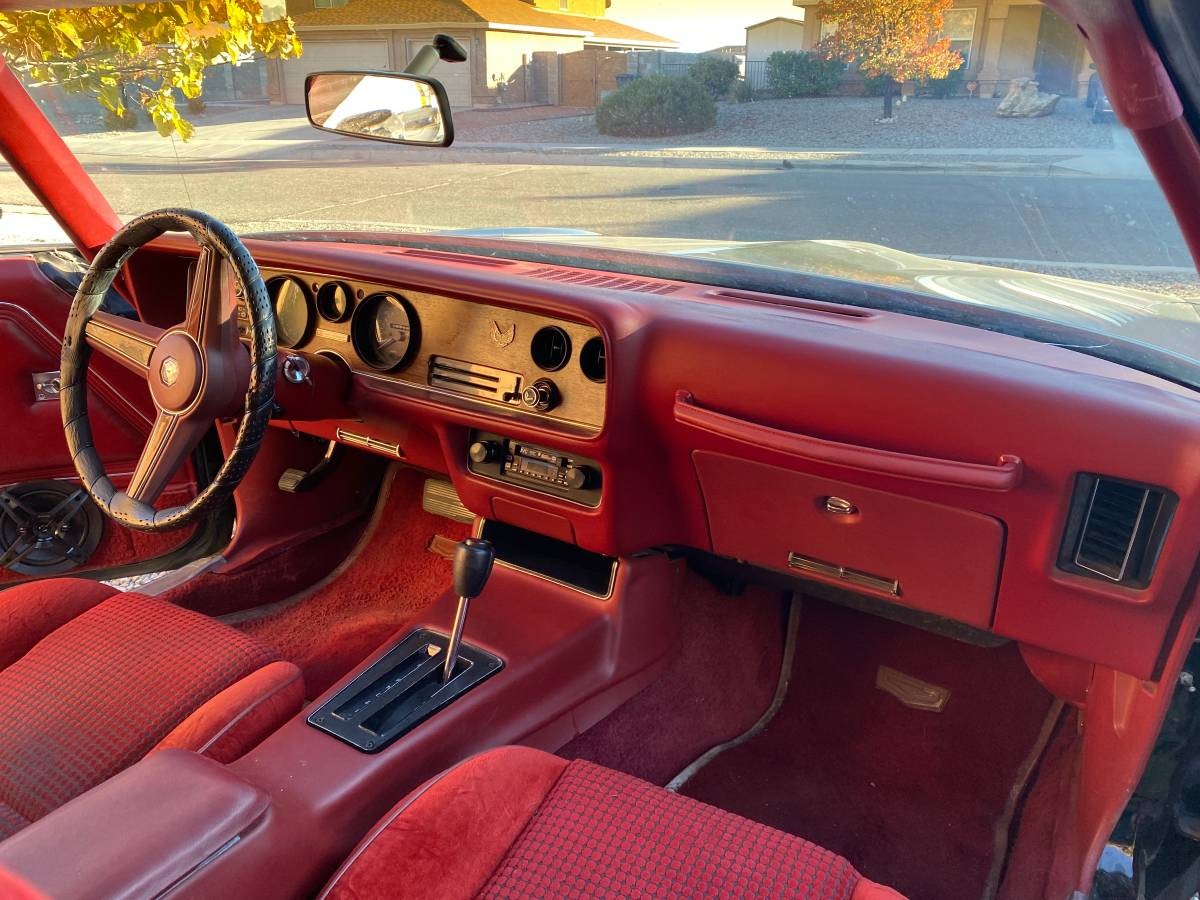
(392, 576)
(722, 673)
(911, 798)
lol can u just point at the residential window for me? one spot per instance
(828, 28)
(959, 26)
(328, 4)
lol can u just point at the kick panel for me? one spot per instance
(525, 362)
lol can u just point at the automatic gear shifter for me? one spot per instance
(422, 674)
(473, 560)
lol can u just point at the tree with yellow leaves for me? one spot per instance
(143, 52)
(897, 39)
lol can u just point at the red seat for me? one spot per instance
(517, 822)
(93, 679)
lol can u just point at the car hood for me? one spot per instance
(1162, 321)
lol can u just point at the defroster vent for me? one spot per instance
(602, 280)
(1116, 529)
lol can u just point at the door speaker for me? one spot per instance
(47, 527)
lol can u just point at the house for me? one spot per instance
(1000, 40)
(736, 52)
(513, 46)
(777, 34)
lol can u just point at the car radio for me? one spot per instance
(533, 466)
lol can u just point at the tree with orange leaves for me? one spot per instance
(898, 39)
(149, 50)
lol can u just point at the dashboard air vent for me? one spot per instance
(1116, 529)
(602, 280)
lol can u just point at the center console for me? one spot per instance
(535, 467)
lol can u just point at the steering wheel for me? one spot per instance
(197, 370)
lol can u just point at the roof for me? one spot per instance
(799, 22)
(492, 13)
(619, 33)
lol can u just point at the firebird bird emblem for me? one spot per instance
(169, 371)
(503, 336)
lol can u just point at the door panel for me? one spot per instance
(33, 311)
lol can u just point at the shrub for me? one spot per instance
(127, 121)
(743, 91)
(941, 88)
(716, 74)
(793, 74)
(655, 106)
(875, 85)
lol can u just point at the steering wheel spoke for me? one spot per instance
(212, 304)
(171, 442)
(124, 341)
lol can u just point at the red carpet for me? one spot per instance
(330, 629)
(721, 676)
(911, 798)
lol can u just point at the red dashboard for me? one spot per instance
(927, 464)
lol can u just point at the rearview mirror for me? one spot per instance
(382, 106)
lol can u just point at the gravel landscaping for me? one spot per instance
(841, 123)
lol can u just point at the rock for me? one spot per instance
(1024, 100)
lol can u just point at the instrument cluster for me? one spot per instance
(384, 328)
(471, 351)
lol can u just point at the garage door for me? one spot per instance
(326, 56)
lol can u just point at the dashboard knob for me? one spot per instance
(542, 395)
(484, 451)
(580, 477)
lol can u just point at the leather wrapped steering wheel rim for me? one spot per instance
(197, 370)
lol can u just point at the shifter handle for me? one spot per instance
(473, 559)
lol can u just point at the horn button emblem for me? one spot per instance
(175, 372)
(169, 371)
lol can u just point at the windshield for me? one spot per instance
(961, 150)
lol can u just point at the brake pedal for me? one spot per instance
(293, 481)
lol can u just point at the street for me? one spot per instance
(1062, 221)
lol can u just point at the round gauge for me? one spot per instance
(293, 310)
(384, 331)
(334, 301)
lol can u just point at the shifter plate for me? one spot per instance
(401, 690)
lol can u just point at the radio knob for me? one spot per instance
(542, 395)
(484, 451)
(580, 477)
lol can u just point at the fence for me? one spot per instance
(754, 71)
(676, 69)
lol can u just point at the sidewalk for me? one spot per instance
(277, 135)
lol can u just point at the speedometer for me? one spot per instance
(384, 331)
(293, 310)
